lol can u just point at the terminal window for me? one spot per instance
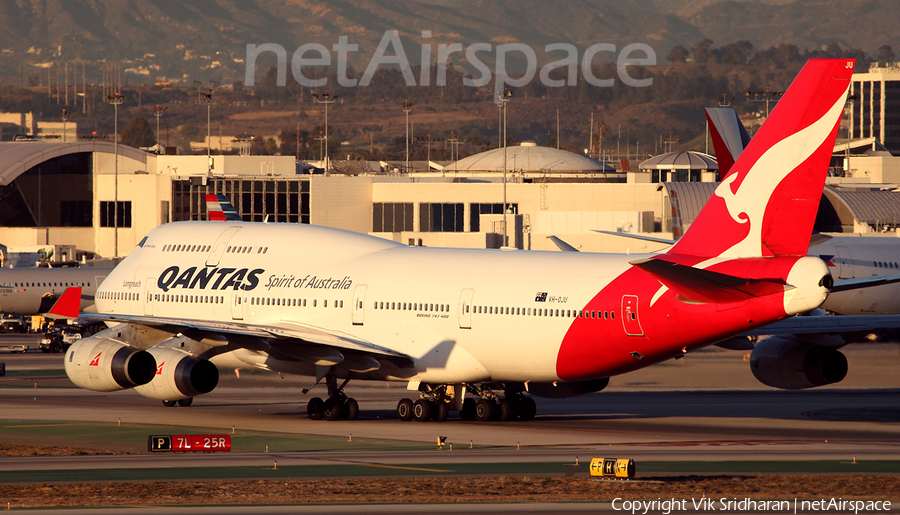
(282, 200)
(110, 215)
(434, 217)
(392, 216)
(475, 210)
(76, 213)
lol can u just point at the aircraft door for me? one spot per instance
(844, 263)
(359, 304)
(630, 319)
(465, 308)
(218, 248)
(149, 302)
(237, 305)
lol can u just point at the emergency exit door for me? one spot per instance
(630, 318)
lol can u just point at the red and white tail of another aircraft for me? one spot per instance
(493, 324)
(219, 209)
(728, 135)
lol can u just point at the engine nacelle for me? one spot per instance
(793, 364)
(105, 365)
(179, 376)
(563, 389)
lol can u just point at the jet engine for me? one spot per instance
(179, 376)
(105, 365)
(792, 364)
(563, 389)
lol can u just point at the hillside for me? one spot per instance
(201, 40)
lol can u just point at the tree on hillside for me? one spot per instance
(678, 54)
(702, 51)
(885, 55)
(138, 132)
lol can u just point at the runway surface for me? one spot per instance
(702, 414)
(635, 417)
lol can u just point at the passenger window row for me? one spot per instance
(543, 312)
(246, 250)
(188, 299)
(48, 285)
(883, 264)
(300, 303)
(205, 248)
(186, 248)
(117, 295)
(412, 306)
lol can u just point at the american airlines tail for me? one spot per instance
(499, 325)
(219, 209)
(728, 135)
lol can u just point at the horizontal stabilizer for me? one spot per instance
(705, 286)
(68, 305)
(864, 282)
(828, 324)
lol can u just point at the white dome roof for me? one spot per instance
(530, 158)
(684, 160)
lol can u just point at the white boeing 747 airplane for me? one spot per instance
(474, 331)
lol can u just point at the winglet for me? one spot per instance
(68, 305)
(219, 208)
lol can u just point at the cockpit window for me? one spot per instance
(141, 244)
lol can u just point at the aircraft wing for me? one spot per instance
(828, 324)
(302, 333)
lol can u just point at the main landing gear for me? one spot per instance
(437, 401)
(338, 406)
(181, 402)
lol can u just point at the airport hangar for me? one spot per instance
(71, 193)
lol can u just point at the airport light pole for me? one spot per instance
(325, 99)
(320, 138)
(407, 107)
(503, 98)
(208, 98)
(116, 99)
(65, 117)
(764, 96)
(158, 112)
(454, 150)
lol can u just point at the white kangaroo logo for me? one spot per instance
(749, 203)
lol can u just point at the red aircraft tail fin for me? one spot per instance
(767, 205)
(68, 305)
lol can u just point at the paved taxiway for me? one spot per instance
(715, 411)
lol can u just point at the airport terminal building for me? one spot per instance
(103, 200)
